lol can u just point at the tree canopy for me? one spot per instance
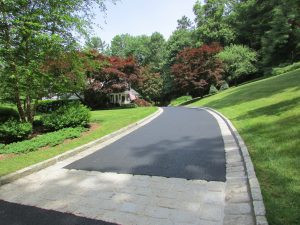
(196, 69)
(40, 54)
(33, 32)
(239, 61)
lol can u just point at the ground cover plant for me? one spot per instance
(105, 121)
(267, 115)
(49, 139)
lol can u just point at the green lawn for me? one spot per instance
(109, 121)
(178, 101)
(267, 115)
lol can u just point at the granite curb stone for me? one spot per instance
(252, 181)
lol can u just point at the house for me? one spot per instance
(123, 98)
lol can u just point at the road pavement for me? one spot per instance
(170, 171)
(181, 143)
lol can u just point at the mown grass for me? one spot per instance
(267, 115)
(109, 121)
(178, 101)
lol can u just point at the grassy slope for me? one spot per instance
(267, 115)
(109, 120)
(180, 100)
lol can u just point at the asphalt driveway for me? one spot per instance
(181, 143)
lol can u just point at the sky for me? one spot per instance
(137, 17)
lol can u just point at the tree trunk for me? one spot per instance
(19, 106)
(29, 112)
(80, 98)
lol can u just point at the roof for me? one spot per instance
(131, 91)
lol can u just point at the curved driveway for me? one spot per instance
(181, 143)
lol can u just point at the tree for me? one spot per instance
(119, 44)
(151, 85)
(31, 33)
(115, 74)
(211, 22)
(97, 44)
(269, 27)
(179, 40)
(196, 69)
(239, 61)
(126, 45)
(184, 23)
(157, 50)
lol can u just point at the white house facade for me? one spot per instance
(123, 98)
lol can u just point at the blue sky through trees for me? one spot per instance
(138, 17)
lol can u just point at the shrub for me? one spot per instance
(213, 90)
(141, 102)
(47, 106)
(239, 61)
(285, 69)
(49, 139)
(224, 86)
(71, 115)
(128, 106)
(13, 130)
(7, 113)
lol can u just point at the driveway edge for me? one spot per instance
(253, 184)
(49, 162)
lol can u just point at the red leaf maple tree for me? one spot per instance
(113, 74)
(196, 69)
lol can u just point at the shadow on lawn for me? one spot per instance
(271, 110)
(276, 155)
(258, 90)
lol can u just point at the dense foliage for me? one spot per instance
(7, 113)
(213, 90)
(151, 85)
(70, 115)
(39, 55)
(13, 130)
(33, 32)
(49, 139)
(196, 69)
(239, 61)
(47, 106)
(141, 102)
(270, 27)
(212, 23)
(115, 75)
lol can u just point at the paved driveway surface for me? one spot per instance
(182, 147)
(16, 214)
(181, 143)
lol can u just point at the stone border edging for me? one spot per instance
(255, 191)
(49, 162)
